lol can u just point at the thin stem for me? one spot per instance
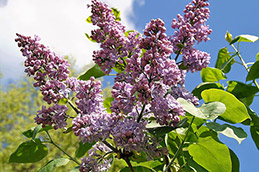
(73, 107)
(177, 55)
(167, 162)
(110, 146)
(244, 64)
(57, 146)
(129, 164)
(180, 147)
(141, 113)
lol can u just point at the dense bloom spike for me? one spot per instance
(55, 114)
(48, 69)
(95, 162)
(191, 28)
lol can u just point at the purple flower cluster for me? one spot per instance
(96, 161)
(129, 135)
(191, 28)
(111, 36)
(94, 126)
(55, 114)
(89, 98)
(48, 69)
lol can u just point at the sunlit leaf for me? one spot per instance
(235, 110)
(204, 86)
(53, 164)
(228, 37)
(244, 38)
(210, 74)
(107, 104)
(211, 155)
(95, 71)
(207, 111)
(224, 60)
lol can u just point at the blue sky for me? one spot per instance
(238, 17)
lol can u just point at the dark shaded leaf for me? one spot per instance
(83, 148)
(137, 169)
(29, 152)
(253, 72)
(230, 131)
(235, 161)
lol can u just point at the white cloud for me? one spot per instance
(60, 23)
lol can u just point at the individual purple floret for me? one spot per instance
(129, 135)
(89, 97)
(48, 69)
(191, 28)
(55, 114)
(96, 162)
(111, 36)
(95, 126)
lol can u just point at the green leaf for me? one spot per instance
(207, 111)
(160, 131)
(116, 13)
(236, 111)
(210, 74)
(257, 57)
(211, 155)
(230, 131)
(76, 169)
(29, 152)
(244, 38)
(192, 164)
(228, 37)
(90, 38)
(28, 133)
(204, 86)
(254, 128)
(137, 169)
(83, 148)
(107, 104)
(241, 90)
(53, 164)
(95, 71)
(253, 72)
(89, 19)
(235, 161)
(224, 60)
(35, 131)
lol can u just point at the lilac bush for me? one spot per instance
(149, 99)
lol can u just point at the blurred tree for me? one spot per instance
(19, 104)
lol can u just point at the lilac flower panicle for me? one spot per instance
(191, 28)
(166, 110)
(48, 69)
(95, 162)
(89, 97)
(129, 134)
(111, 36)
(94, 126)
(55, 114)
